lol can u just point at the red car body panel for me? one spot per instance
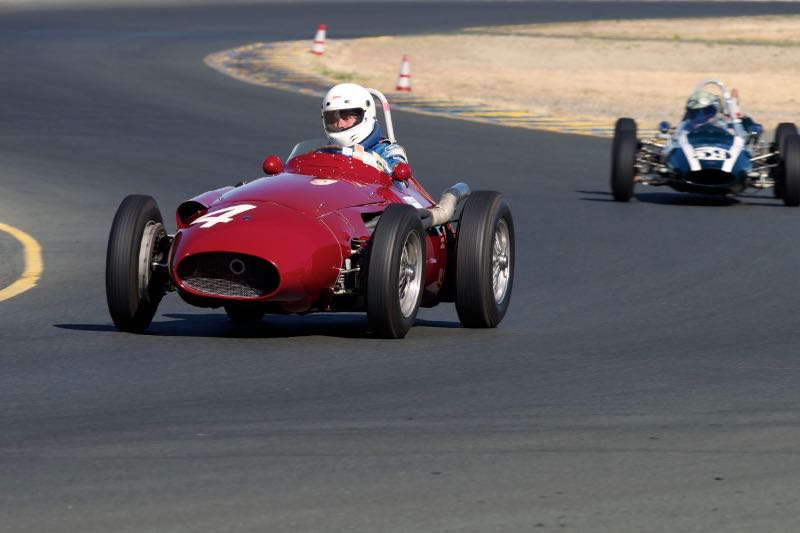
(305, 222)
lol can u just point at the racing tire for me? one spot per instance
(243, 315)
(395, 273)
(624, 124)
(791, 170)
(133, 288)
(784, 130)
(623, 159)
(484, 255)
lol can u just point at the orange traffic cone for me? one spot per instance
(404, 80)
(318, 48)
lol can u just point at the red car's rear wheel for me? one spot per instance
(484, 260)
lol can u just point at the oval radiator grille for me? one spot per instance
(229, 274)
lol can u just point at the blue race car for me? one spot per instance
(714, 150)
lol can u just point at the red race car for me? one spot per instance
(327, 231)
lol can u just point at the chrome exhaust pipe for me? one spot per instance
(443, 212)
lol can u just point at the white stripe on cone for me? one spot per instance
(404, 80)
(318, 48)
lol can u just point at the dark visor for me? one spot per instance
(332, 118)
(704, 112)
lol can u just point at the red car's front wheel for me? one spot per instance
(395, 271)
(137, 241)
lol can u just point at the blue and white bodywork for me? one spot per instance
(710, 158)
(720, 154)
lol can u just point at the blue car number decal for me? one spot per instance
(711, 153)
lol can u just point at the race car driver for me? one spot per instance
(704, 108)
(350, 121)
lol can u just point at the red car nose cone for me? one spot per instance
(257, 250)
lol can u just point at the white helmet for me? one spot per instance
(342, 103)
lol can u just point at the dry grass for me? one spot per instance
(775, 30)
(596, 70)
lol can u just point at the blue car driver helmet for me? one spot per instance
(702, 108)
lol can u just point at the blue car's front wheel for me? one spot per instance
(623, 159)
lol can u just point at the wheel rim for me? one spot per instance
(148, 249)
(501, 260)
(409, 280)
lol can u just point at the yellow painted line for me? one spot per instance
(431, 105)
(551, 120)
(489, 113)
(33, 263)
(579, 124)
(496, 114)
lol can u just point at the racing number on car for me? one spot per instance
(711, 153)
(225, 214)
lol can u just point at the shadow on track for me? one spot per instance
(686, 199)
(339, 325)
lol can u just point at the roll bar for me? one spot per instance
(387, 114)
(731, 107)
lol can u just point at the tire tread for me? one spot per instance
(475, 302)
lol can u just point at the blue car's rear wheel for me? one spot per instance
(137, 241)
(623, 159)
(784, 130)
(791, 170)
(395, 271)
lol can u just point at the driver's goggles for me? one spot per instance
(342, 119)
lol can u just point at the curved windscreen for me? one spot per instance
(305, 147)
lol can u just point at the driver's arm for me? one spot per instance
(392, 154)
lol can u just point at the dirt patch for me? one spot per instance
(595, 71)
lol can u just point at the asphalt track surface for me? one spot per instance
(644, 379)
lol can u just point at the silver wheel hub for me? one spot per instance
(153, 231)
(501, 266)
(409, 282)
